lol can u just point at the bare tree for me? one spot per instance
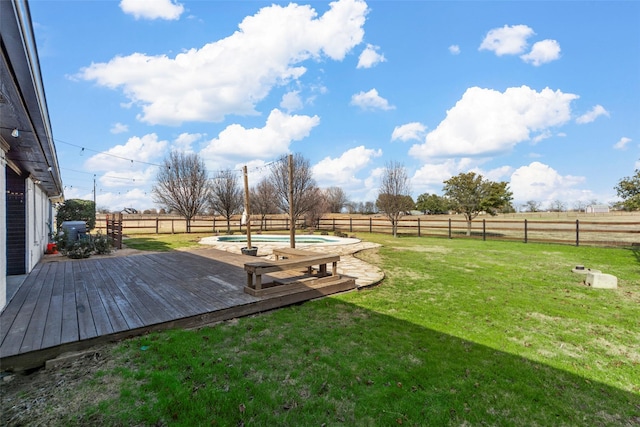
(182, 185)
(336, 198)
(393, 196)
(304, 186)
(319, 208)
(558, 206)
(263, 200)
(226, 195)
(532, 205)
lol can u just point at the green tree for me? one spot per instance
(432, 204)
(629, 191)
(393, 197)
(471, 194)
(77, 210)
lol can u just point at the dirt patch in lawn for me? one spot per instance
(50, 396)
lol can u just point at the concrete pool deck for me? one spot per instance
(366, 274)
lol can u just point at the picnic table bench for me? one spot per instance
(292, 253)
(295, 261)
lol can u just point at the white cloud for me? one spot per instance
(409, 131)
(542, 52)
(370, 57)
(128, 156)
(508, 40)
(370, 101)
(342, 170)
(430, 177)
(184, 142)
(119, 128)
(116, 201)
(129, 178)
(622, 143)
(152, 9)
(291, 101)
(231, 75)
(454, 49)
(237, 142)
(542, 183)
(485, 121)
(593, 114)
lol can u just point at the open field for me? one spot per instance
(461, 332)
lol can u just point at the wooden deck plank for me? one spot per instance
(53, 326)
(86, 327)
(126, 309)
(70, 329)
(103, 300)
(183, 302)
(35, 331)
(201, 283)
(137, 297)
(15, 335)
(151, 299)
(101, 318)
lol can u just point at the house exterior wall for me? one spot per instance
(3, 227)
(37, 207)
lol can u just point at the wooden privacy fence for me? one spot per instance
(114, 229)
(604, 231)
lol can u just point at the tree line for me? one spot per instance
(182, 186)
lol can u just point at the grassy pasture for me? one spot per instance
(461, 332)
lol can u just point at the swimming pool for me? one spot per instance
(278, 240)
(266, 238)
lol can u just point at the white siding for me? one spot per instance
(37, 224)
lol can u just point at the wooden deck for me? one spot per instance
(72, 305)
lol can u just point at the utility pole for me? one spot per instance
(95, 208)
(292, 225)
(247, 207)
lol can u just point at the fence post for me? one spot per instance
(370, 225)
(449, 227)
(334, 224)
(350, 225)
(526, 236)
(484, 229)
(172, 229)
(157, 225)
(577, 232)
(419, 227)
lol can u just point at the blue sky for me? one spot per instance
(543, 95)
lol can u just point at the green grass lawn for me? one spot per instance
(461, 332)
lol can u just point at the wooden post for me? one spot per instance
(577, 232)
(484, 229)
(449, 227)
(247, 207)
(370, 225)
(292, 228)
(526, 232)
(419, 227)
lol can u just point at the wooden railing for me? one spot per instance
(584, 229)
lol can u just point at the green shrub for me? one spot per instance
(80, 249)
(102, 244)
